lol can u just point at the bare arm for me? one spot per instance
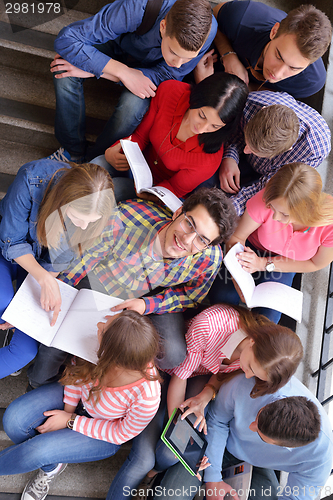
(50, 297)
(176, 393)
(245, 227)
(251, 262)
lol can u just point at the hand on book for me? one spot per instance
(250, 261)
(149, 197)
(115, 156)
(137, 305)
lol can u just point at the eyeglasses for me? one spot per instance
(199, 241)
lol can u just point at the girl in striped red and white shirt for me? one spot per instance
(100, 407)
(223, 339)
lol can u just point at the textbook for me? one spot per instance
(75, 330)
(239, 477)
(270, 294)
(142, 175)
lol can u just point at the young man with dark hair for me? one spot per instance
(107, 46)
(161, 264)
(265, 46)
(285, 431)
(268, 138)
(288, 431)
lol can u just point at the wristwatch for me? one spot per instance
(70, 421)
(270, 266)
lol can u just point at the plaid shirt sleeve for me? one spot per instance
(91, 257)
(191, 290)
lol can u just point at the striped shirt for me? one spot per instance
(125, 264)
(212, 336)
(312, 146)
(120, 414)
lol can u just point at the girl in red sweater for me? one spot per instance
(183, 133)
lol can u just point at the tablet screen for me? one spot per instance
(188, 442)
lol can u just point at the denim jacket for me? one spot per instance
(19, 211)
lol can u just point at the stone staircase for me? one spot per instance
(27, 101)
(27, 110)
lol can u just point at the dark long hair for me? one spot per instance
(227, 94)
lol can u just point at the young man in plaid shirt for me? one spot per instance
(158, 262)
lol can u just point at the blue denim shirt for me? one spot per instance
(117, 21)
(19, 211)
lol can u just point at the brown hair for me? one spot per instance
(277, 349)
(88, 188)
(272, 131)
(219, 207)
(189, 21)
(312, 28)
(293, 421)
(130, 342)
(301, 187)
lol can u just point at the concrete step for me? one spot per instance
(91, 479)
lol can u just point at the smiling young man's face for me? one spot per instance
(282, 58)
(175, 243)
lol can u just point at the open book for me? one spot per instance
(143, 178)
(270, 294)
(75, 330)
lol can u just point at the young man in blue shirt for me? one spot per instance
(107, 46)
(285, 431)
(266, 47)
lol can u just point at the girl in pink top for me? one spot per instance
(288, 227)
(100, 407)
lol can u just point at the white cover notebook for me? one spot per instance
(270, 294)
(142, 175)
(75, 330)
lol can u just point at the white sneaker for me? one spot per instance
(60, 155)
(38, 487)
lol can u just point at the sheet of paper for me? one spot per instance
(243, 278)
(280, 297)
(139, 166)
(78, 332)
(26, 313)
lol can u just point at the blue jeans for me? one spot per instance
(22, 348)
(70, 120)
(32, 450)
(141, 458)
(123, 184)
(223, 290)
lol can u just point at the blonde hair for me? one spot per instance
(88, 188)
(272, 131)
(301, 187)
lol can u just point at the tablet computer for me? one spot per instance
(186, 442)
